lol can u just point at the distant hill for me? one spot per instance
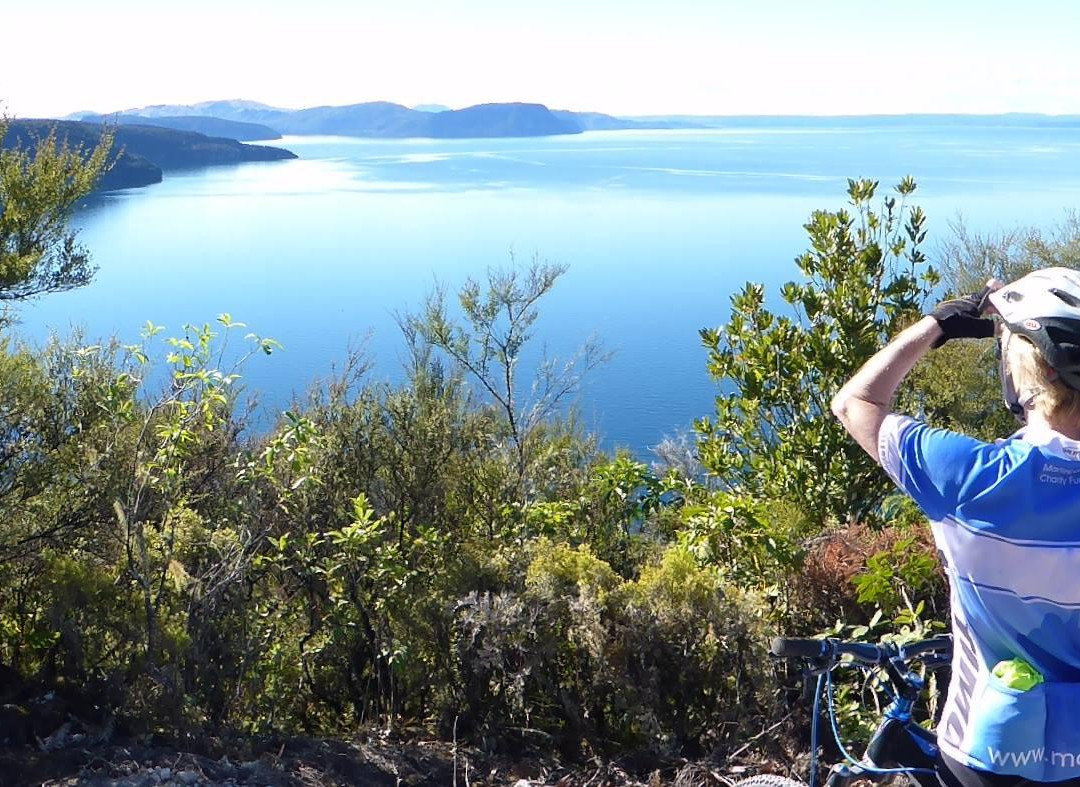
(236, 109)
(129, 170)
(499, 120)
(385, 119)
(373, 119)
(210, 126)
(597, 121)
(145, 150)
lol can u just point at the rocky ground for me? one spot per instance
(49, 738)
(303, 761)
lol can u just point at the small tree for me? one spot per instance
(499, 315)
(772, 436)
(170, 429)
(39, 187)
(969, 258)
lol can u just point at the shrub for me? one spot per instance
(672, 661)
(772, 436)
(852, 571)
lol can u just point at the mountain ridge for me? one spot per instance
(142, 153)
(201, 124)
(387, 119)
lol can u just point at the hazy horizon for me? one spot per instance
(681, 114)
(620, 57)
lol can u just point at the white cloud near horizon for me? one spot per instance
(630, 57)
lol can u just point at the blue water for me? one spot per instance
(657, 228)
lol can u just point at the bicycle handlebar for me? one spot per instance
(798, 648)
(830, 649)
(942, 644)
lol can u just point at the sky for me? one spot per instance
(623, 57)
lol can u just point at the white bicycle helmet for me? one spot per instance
(1044, 307)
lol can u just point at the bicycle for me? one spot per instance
(899, 745)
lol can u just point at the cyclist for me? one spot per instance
(1006, 519)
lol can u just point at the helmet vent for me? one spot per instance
(1068, 297)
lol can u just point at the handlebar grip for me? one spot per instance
(798, 648)
(942, 644)
(861, 651)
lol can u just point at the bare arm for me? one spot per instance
(865, 400)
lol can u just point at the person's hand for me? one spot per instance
(964, 318)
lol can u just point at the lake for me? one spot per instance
(658, 228)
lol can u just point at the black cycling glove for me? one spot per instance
(961, 318)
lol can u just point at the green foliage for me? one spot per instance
(858, 696)
(558, 570)
(772, 436)
(129, 486)
(616, 510)
(499, 315)
(969, 259)
(450, 551)
(669, 661)
(173, 431)
(742, 537)
(38, 189)
(902, 572)
(358, 583)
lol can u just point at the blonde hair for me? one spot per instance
(1034, 379)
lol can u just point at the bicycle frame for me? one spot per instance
(895, 745)
(899, 744)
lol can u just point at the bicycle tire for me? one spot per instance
(768, 780)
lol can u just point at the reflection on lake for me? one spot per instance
(657, 228)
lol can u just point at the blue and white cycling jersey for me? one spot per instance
(1006, 518)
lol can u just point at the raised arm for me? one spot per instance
(864, 401)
